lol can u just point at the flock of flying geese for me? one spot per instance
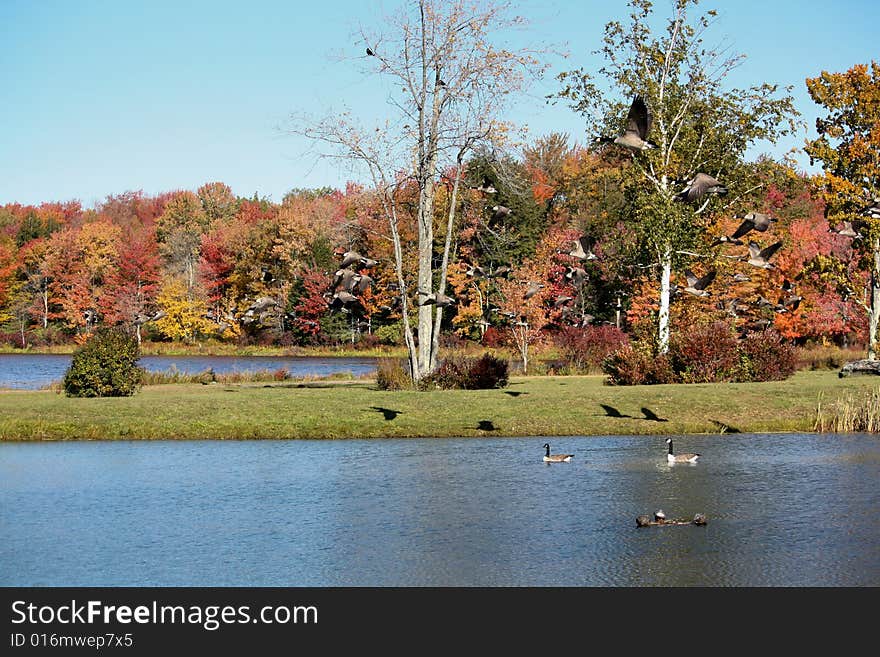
(671, 457)
(351, 279)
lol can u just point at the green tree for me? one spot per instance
(848, 146)
(698, 126)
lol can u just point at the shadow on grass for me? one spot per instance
(725, 428)
(610, 411)
(486, 425)
(651, 415)
(388, 413)
(514, 393)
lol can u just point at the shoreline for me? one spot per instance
(530, 406)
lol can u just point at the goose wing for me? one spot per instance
(770, 250)
(745, 227)
(638, 120)
(691, 278)
(705, 280)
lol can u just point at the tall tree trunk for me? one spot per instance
(663, 316)
(874, 313)
(45, 305)
(444, 265)
(426, 275)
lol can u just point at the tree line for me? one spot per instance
(659, 224)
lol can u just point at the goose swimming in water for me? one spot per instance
(556, 458)
(679, 458)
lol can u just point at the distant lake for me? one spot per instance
(783, 510)
(34, 371)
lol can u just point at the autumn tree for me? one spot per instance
(451, 74)
(848, 147)
(697, 126)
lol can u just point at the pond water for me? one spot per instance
(783, 510)
(34, 371)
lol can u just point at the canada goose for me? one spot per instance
(344, 279)
(500, 271)
(556, 458)
(350, 258)
(872, 210)
(697, 286)
(741, 278)
(581, 249)
(577, 275)
(638, 125)
(437, 299)
(679, 458)
(363, 283)
(561, 300)
(370, 53)
(500, 211)
(486, 187)
(534, 288)
(759, 257)
(849, 229)
(475, 270)
(699, 186)
(753, 221)
(724, 239)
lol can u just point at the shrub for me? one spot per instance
(390, 334)
(637, 364)
(493, 338)
(392, 375)
(465, 373)
(105, 366)
(766, 356)
(706, 353)
(585, 349)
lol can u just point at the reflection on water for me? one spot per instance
(784, 510)
(34, 371)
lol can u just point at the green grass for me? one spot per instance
(541, 406)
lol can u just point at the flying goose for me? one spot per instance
(759, 257)
(849, 229)
(699, 186)
(679, 458)
(500, 271)
(697, 286)
(534, 288)
(475, 270)
(350, 258)
(486, 187)
(556, 458)
(872, 210)
(576, 275)
(437, 299)
(753, 221)
(581, 249)
(638, 125)
(500, 211)
(562, 300)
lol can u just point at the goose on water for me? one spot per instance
(679, 458)
(556, 458)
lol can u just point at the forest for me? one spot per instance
(664, 237)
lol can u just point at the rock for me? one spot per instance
(643, 521)
(857, 367)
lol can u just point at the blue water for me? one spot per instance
(784, 510)
(34, 371)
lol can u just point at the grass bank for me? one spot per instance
(577, 405)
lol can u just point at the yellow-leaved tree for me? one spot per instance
(185, 313)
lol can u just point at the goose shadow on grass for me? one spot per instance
(388, 413)
(610, 411)
(651, 415)
(724, 428)
(515, 393)
(486, 425)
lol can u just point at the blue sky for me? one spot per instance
(104, 96)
